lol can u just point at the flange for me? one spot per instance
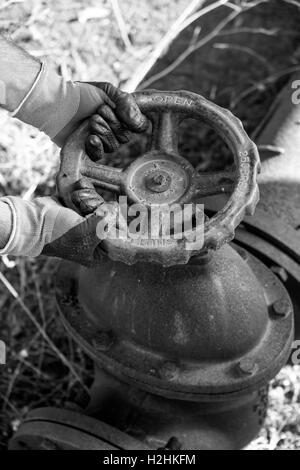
(55, 429)
(199, 339)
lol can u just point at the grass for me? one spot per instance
(84, 41)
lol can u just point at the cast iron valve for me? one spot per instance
(182, 351)
(162, 178)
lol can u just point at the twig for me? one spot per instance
(264, 31)
(9, 2)
(246, 50)
(182, 22)
(265, 119)
(61, 356)
(293, 2)
(41, 309)
(270, 79)
(12, 381)
(121, 23)
(38, 295)
(270, 151)
(190, 49)
(8, 403)
(30, 191)
(193, 47)
(29, 365)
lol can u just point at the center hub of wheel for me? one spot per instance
(160, 179)
(159, 182)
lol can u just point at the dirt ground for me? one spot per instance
(82, 40)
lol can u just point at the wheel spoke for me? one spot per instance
(103, 176)
(165, 131)
(210, 184)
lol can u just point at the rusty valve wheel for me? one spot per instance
(161, 178)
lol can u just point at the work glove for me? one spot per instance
(57, 107)
(44, 226)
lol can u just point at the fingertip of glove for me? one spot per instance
(143, 123)
(83, 183)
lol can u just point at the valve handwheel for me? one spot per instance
(161, 177)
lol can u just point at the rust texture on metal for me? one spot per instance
(196, 425)
(181, 331)
(57, 429)
(191, 348)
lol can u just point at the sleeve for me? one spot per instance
(36, 223)
(51, 102)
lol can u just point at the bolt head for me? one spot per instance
(158, 182)
(47, 444)
(282, 308)
(280, 272)
(168, 371)
(247, 366)
(243, 253)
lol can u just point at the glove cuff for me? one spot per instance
(51, 102)
(35, 224)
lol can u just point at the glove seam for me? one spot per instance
(51, 103)
(29, 93)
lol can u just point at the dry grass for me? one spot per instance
(83, 40)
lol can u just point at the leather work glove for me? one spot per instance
(44, 226)
(57, 107)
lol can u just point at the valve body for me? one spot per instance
(187, 351)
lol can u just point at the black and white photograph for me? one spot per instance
(149, 229)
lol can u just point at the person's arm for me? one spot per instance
(37, 95)
(43, 226)
(18, 71)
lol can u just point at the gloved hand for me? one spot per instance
(57, 107)
(112, 112)
(44, 226)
